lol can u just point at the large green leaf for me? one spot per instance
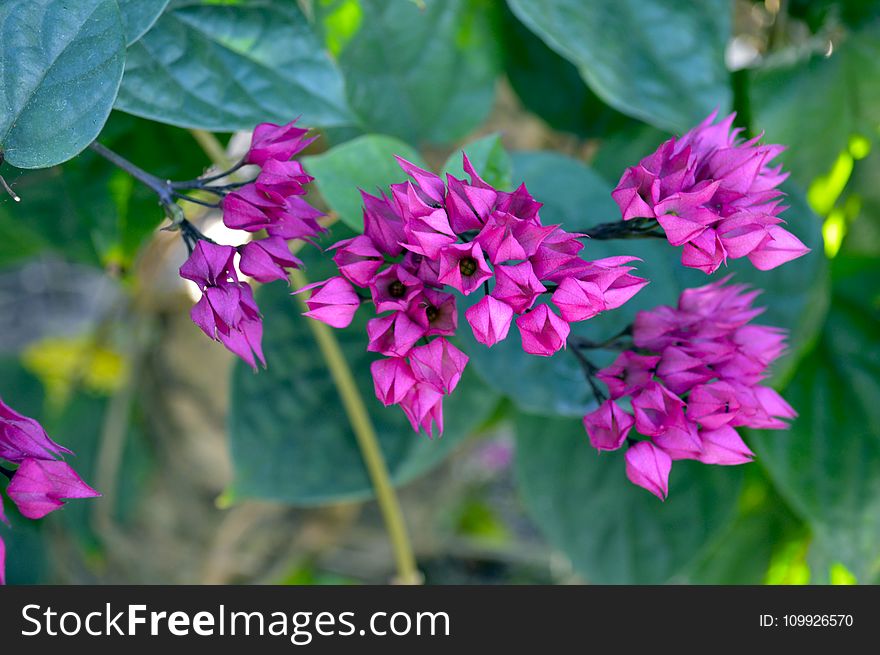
(828, 464)
(576, 197)
(419, 73)
(90, 211)
(613, 531)
(551, 86)
(60, 67)
(228, 67)
(848, 104)
(364, 163)
(658, 60)
(290, 437)
(139, 15)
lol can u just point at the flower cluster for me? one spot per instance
(431, 238)
(272, 203)
(694, 377)
(41, 481)
(714, 194)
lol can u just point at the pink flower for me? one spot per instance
(438, 363)
(226, 311)
(22, 437)
(39, 486)
(578, 300)
(629, 374)
(358, 259)
(394, 288)
(423, 406)
(265, 259)
(383, 224)
(282, 178)
(608, 426)
(463, 267)
(434, 311)
(279, 142)
(393, 335)
(392, 379)
(543, 332)
(724, 446)
(489, 320)
(517, 286)
(647, 466)
(251, 210)
(714, 194)
(332, 301)
(657, 409)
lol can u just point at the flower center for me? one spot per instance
(396, 289)
(467, 266)
(432, 313)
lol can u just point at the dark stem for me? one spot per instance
(590, 371)
(201, 182)
(586, 344)
(637, 228)
(203, 203)
(7, 472)
(162, 188)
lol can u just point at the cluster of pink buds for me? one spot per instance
(714, 194)
(432, 238)
(694, 376)
(272, 203)
(40, 482)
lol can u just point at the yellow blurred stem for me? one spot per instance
(407, 573)
(355, 409)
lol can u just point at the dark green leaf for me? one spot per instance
(365, 163)
(229, 67)
(828, 464)
(60, 67)
(848, 104)
(290, 437)
(613, 531)
(90, 211)
(658, 60)
(551, 86)
(489, 159)
(139, 15)
(419, 73)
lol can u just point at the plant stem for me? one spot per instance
(355, 409)
(161, 187)
(637, 228)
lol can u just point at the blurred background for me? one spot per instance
(214, 474)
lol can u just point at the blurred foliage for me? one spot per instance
(420, 79)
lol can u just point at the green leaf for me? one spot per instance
(421, 73)
(290, 437)
(577, 198)
(661, 61)
(60, 67)
(364, 163)
(138, 16)
(827, 465)
(613, 531)
(88, 210)
(552, 87)
(489, 159)
(744, 551)
(849, 103)
(228, 67)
